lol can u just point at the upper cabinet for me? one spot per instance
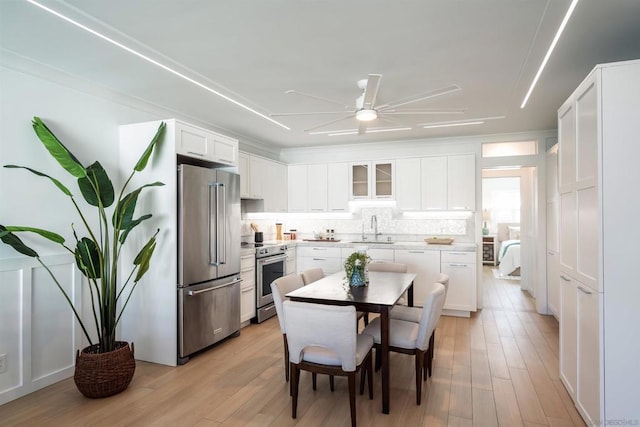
(192, 141)
(338, 187)
(297, 188)
(372, 180)
(264, 179)
(436, 183)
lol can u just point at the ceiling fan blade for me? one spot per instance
(371, 91)
(428, 95)
(331, 101)
(362, 128)
(389, 120)
(330, 123)
(308, 114)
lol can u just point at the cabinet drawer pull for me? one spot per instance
(566, 279)
(458, 265)
(416, 252)
(319, 259)
(195, 154)
(338, 209)
(584, 290)
(459, 253)
(225, 160)
(317, 209)
(319, 249)
(550, 253)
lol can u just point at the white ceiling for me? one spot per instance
(254, 51)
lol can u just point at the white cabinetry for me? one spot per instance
(426, 265)
(338, 187)
(192, 141)
(255, 177)
(553, 256)
(408, 186)
(317, 188)
(598, 157)
(327, 258)
(243, 170)
(248, 286)
(461, 268)
(264, 179)
(372, 180)
(291, 265)
(448, 182)
(297, 188)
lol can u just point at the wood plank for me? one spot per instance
(530, 407)
(484, 408)
(506, 403)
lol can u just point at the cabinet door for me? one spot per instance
(382, 179)
(297, 184)
(434, 183)
(225, 150)
(408, 189)
(567, 148)
(568, 231)
(193, 142)
(426, 265)
(281, 185)
(338, 187)
(588, 392)
(461, 182)
(359, 177)
(291, 261)
(553, 282)
(568, 333)
(247, 288)
(243, 169)
(461, 269)
(269, 183)
(317, 188)
(586, 140)
(255, 177)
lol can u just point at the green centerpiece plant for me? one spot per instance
(96, 251)
(355, 268)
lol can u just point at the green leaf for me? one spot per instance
(50, 235)
(143, 258)
(142, 163)
(96, 186)
(88, 258)
(131, 226)
(57, 150)
(14, 241)
(123, 214)
(58, 184)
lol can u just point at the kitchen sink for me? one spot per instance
(374, 242)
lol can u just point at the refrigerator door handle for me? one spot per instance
(217, 238)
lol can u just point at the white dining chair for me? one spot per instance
(322, 340)
(409, 337)
(412, 314)
(312, 275)
(279, 288)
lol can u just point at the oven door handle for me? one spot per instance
(213, 288)
(272, 259)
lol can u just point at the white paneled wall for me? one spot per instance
(38, 332)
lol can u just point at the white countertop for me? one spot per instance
(465, 247)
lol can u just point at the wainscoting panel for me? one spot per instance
(38, 331)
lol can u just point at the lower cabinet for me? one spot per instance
(327, 258)
(426, 265)
(553, 285)
(462, 292)
(291, 260)
(247, 287)
(580, 338)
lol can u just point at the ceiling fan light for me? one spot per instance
(366, 115)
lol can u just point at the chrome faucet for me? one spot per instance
(374, 226)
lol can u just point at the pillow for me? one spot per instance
(514, 233)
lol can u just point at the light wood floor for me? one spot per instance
(500, 367)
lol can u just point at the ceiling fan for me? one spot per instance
(367, 110)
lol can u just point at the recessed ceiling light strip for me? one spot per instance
(474, 121)
(154, 62)
(355, 132)
(572, 6)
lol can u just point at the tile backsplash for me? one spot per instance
(398, 226)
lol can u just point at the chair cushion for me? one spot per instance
(325, 356)
(408, 314)
(402, 334)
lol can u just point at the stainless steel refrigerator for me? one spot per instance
(208, 257)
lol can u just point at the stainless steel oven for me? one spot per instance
(271, 264)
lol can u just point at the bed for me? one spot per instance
(509, 249)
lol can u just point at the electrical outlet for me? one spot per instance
(3, 363)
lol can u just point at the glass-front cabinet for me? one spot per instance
(372, 180)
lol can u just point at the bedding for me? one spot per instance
(509, 257)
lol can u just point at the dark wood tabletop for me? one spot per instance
(382, 293)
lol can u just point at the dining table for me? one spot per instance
(382, 292)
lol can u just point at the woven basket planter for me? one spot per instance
(100, 375)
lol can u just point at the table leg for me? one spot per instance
(410, 295)
(384, 347)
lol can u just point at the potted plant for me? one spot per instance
(355, 268)
(106, 366)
